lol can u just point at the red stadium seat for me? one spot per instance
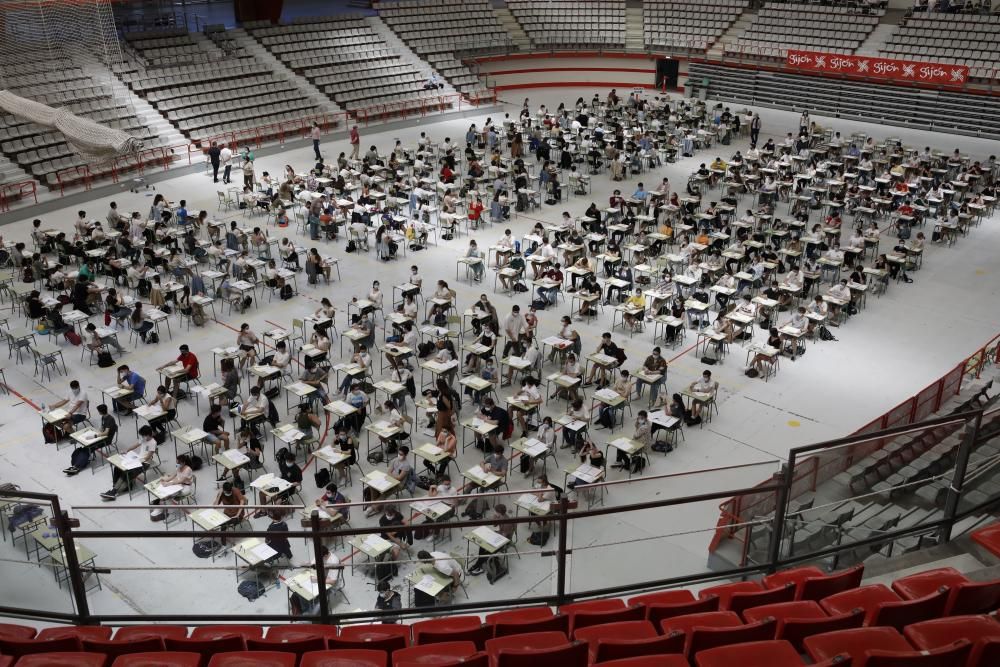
(525, 615)
(298, 631)
(570, 655)
(206, 647)
(797, 629)
(219, 631)
(725, 591)
(81, 632)
(710, 619)
(662, 597)
(452, 629)
(657, 612)
(966, 597)
(130, 632)
(939, 632)
(478, 659)
(738, 602)
(773, 653)
(854, 643)
(345, 658)
(113, 649)
(433, 654)
(14, 631)
(649, 661)
(900, 614)
(592, 608)
(557, 623)
(812, 584)
(253, 659)
(19, 647)
(701, 638)
(377, 637)
(868, 598)
(949, 656)
(161, 659)
(624, 631)
(785, 611)
(535, 640)
(988, 654)
(585, 619)
(793, 575)
(613, 649)
(297, 646)
(63, 659)
(988, 538)
(6, 661)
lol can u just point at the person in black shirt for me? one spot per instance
(608, 347)
(106, 435)
(276, 538)
(81, 290)
(494, 414)
(388, 599)
(290, 472)
(213, 426)
(391, 519)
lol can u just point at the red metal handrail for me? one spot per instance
(82, 173)
(18, 190)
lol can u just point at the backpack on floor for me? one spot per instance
(286, 292)
(73, 337)
(826, 334)
(251, 590)
(496, 569)
(153, 338)
(105, 360)
(79, 458)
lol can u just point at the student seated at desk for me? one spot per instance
(704, 385)
(168, 404)
(761, 360)
(387, 599)
(232, 499)
(819, 308)
(393, 529)
(332, 568)
(76, 404)
(183, 476)
(589, 453)
(320, 339)
(276, 538)
(506, 529)
(246, 341)
(840, 292)
(530, 396)
(105, 434)
(254, 408)
(134, 383)
(333, 500)
(146, 450)
(444, 564)
(623, 386)
(605, 346)
(643, 433)
(363, 360)
(636, 301)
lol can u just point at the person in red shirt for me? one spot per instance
(355, 142)
(476, 212)
(190, 363)
(447, 175)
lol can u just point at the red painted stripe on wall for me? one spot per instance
(575, 84)
(651, 70)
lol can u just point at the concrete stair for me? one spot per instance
(257, 49)
(736, 30)
(513, 28)
(166, 133)
(634, 39)
(11, 173)
(393, 41)
(876, 40)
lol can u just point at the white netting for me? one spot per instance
(56, 64)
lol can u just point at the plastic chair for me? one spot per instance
(205, 647)
(739, 602)
(525, 615)
(900, 613)
(433, 654)
(253, 659)
(557, 623)
(585, 619)
(649, 661)
(533, 640)
(81, 632)
(701, 638)
(132, 632)
(374, 631)
(795, 630)
(345, 658)
(726, 591)
(854, 643)
(709, 619)
(219, 631)
(19, 647)
(619, 631)
(296, 646)
(387, 643)
(452, 629)
(793, 575)
(772, 653)
(113, 649)
(956, 653)
(298, 632)
(14, 631)
(662, 597)
(571, 655)
(812, 584)
(866, 597)
(966, 597)
(939, 632)
(63, 659)
(161, 659)
(785, 611)
(614, 649)
(658, 612)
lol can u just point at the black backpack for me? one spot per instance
(105, 360)
(826, 334)
(80, 458)
(251, 590)
(286, 292)
(351, 246)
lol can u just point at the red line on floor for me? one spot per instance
(22, 397)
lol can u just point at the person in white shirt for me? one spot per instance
(531, 398)
(514, 326)
(442, 562)
(704, 385)
(226, 159)
(145, 450)
(255, 405)
(76, 404)
(817, 308)
(183, 476)
(841, 292)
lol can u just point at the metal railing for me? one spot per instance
(564, 520)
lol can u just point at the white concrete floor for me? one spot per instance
(903, 341)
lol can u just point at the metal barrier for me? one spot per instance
(16, 191)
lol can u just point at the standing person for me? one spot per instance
(213, 157)
(355, 142)
(754, 130)
(226, 155)
(248, 173)
(314, 133)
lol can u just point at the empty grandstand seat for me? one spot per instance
(855, 643)
(433, 654)
(63, 659)
(738, 602)
(345, 658)
(556, 623)
(662, 597)
(253, 659)
(784, 611)
(725, 591)
(709, 619)
(792, 575)
(988, 537)
(866, 597)
(622, 630)
(649, 661)
(794, 630)
(19, 647)
(701, 638)
(14, 631)
(585, 619)
(296, 646)
(79, 631)
(219, 631)
(895, 613)
(205, 647)
(770, 653)
(131, 632)
(574, 654)
(952, 655)
(380, 637)
(161, 659)
(113, 649)
(965, 597)
(657, 612)
(817, 586)
(548, 639)
(298, 632)
(450, 629)
(982, 631)
(525, 615)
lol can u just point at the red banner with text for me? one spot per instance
(889, 69)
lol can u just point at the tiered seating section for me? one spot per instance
(929, 619)
(688, 24)
(434, 29)
(782, 26)
(346, 59)
(959, 113)
(216, 91)
(41, 151)
(968, 39)
(583, 23)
